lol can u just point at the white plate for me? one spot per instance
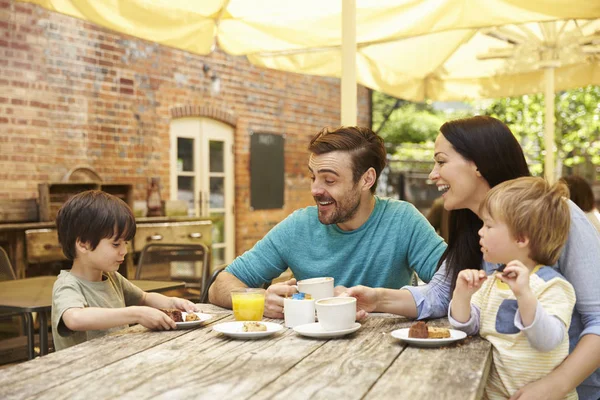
(234, 330)
(317, 331)
(191, 324)
(455, 336)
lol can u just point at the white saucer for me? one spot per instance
(234, 329)
(317, 331)
(455, 336)
(191, 324)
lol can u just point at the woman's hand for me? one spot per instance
(366, 300)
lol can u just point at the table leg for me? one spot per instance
(30, 335)
(43, 333)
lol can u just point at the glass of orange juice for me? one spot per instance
(248, 304)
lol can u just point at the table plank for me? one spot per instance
(38, 376)
(342, 368)
(200, 365)
(459, 370)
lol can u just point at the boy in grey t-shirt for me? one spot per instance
(93, 299)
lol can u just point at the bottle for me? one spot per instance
(154, 201)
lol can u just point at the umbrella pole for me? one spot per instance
(549, 125)
(348, 84)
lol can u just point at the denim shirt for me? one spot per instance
(579, 263)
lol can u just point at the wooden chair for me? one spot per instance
(176, 262)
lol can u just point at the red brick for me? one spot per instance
(74, 111)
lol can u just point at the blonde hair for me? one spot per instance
(532, 209)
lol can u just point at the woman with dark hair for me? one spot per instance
(473, 155)
(581, 194)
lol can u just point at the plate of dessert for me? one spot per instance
(247, 329)
(185, 320)
(316, 330)
(419, 334)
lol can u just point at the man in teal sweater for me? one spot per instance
(351, 235)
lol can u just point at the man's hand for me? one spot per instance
(153, 318)
(274, 298)
(366, 300)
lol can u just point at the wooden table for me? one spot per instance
(26, 296)
(201, 363)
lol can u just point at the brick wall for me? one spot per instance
(72, 93)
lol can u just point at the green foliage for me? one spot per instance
(577, 133)
(411, 128)
(408, 123)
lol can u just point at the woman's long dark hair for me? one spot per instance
(490, 144)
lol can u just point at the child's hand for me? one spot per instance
(516, 276)
(153, 318)
(469, 281)
(183, 305)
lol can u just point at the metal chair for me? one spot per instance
(176, 262)
(216, 272)
(7, 273)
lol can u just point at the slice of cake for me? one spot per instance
(191, 317)
(418, 330)
(438, 333)
(173, 313)
(254, 327)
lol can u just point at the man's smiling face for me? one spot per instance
(333, 188)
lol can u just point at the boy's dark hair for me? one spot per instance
(91, 216)
(365, 147)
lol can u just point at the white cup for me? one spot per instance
(336, 313)
(318, 288)
(298, 312)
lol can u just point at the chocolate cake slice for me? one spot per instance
(418, 330)
(173, 313)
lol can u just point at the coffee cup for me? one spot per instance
(336, 313)
(318, 288)
(298, 312)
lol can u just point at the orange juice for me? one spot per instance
(248, 304)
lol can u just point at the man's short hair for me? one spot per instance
(531, 208)
(365, 147)
(91, 216)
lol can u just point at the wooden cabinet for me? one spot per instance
(173, 232)
(53, 195)
(34, 243)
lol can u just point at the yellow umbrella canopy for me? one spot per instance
(413, 49)
(243, 27)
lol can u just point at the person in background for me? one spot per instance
(438, 218)
(473, 155)
(525, 310)
(350, 234)
(582, 195)
(92, 299)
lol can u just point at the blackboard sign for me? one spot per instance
(266, 171)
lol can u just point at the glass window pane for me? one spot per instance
(217, 192)
(216, 156)
(185, 155)
(185, 190)
(218, 227)
(218, 256)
